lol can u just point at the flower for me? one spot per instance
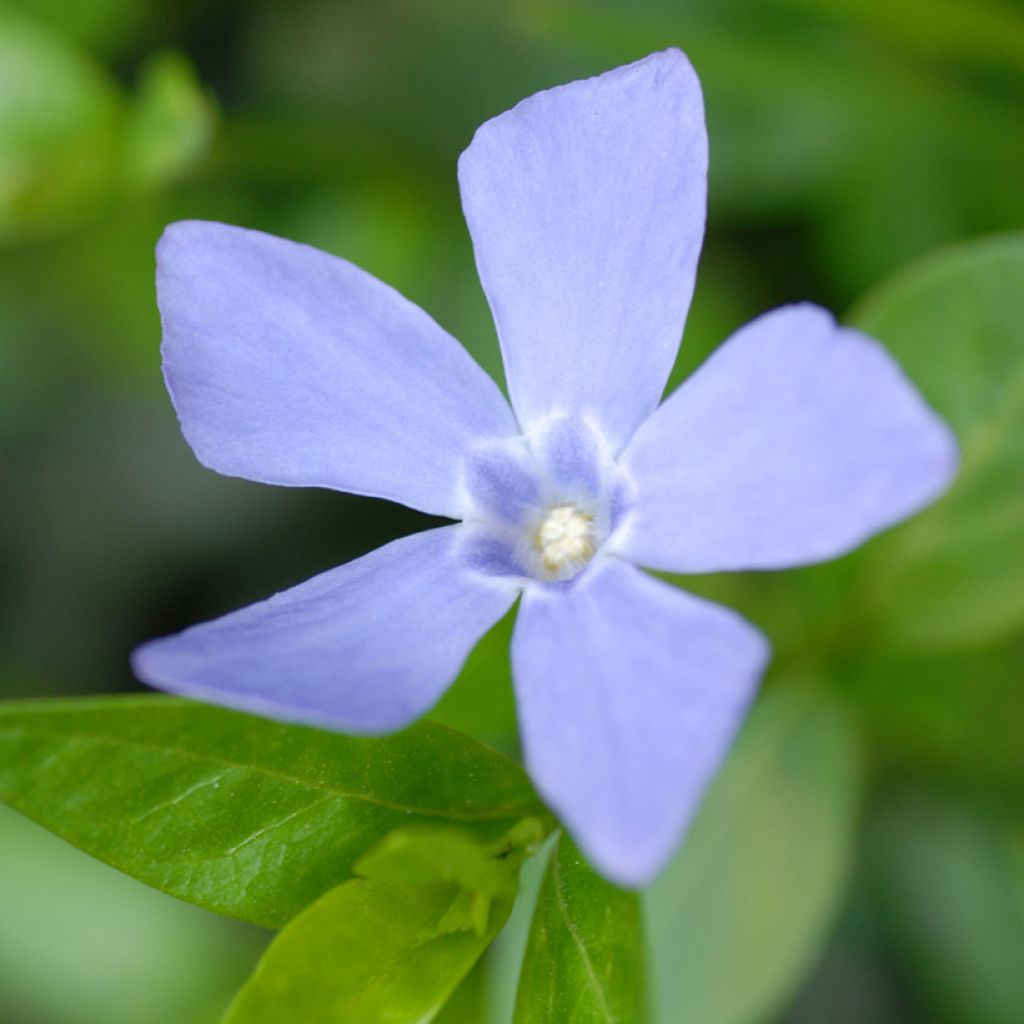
(793, 443)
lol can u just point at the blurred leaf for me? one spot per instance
(368, 952)
(802, 119)
(738, 917)
(81, 943)
(504, 961)
(468, 1003)
(779, 111)
(952, 889)
(59, 117)
(169, 127)
(239, 814)
(585, 956)
(952, 576)
(956, 718)
(98, 24)
(983, 32)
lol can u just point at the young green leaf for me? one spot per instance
(420, 854)
(370, 952)
(238, 814)
(584, 961)
(738, 916)
(951, 576)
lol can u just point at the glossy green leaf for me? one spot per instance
(950, 883)
(738, 916)
(238, 814)
(952, 576)
(584, 961)
(369, 952)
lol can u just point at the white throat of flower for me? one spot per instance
(541, 506)
(565, 540)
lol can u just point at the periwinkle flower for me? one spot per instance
(793, 443)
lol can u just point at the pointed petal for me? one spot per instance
(629, 694)
(367, 647)
(290, 366)
(793, 443)
(586, 204)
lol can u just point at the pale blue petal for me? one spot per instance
(570, 454)
(793, 443)
(586, 204)
(365, 648)
(629, 693)
(290, 366)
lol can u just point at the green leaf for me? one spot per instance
(468, 1004)
(104, 25)
(59, 118)
(951, 576)
(241, 815)
(420, 854)
(585, 956)
(739, 915)
(950, 716)
(951, 888)
(82, 943)
(481, 700)
(169, 128)
(369, 952)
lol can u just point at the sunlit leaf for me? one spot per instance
(585, 959)
(738, 916)
(241, 815)
(369, 952)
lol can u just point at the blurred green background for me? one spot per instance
(862, 858)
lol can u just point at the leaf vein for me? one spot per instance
(577, 938)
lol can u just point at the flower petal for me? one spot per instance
(629, 693)
(364, 648)
(586, 204)
(290, 366)
(793, 443)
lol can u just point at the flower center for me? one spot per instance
(565, 539)
(541, 505)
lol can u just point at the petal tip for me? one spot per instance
(632, 865)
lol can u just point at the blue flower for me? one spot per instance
(793, 443)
